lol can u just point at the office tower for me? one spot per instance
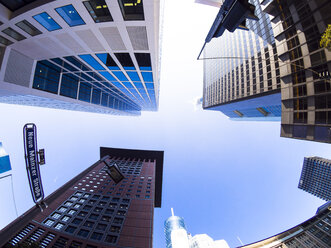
(315, 232)
(316, 177)
(241, 72)
(96, 56)
(92, 211)
(177, 236)
(305, 68)
(276, 69)
(175, 232)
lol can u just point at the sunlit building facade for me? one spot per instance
(241, 72)
(305, 68)
(315, 232)
(97, 56)
(92, 211)
(177, 236)
(316, 177)
(280, 54)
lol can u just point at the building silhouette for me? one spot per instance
(316, 177)
(276, 69)
(314, 232)
(95, 56)
(92, 211)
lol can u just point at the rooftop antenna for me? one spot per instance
(172, 212)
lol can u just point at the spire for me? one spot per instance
(172, 212)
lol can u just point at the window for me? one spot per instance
(111, 239)
(98, 10)
(70, 15)
(77, 206)
(73, 198)
(65, 218)
(109, 211)
(83, 233)
(71, 212)
(82, 214)
(118, 220)
(144, 61)
(46, 21)
(93, 216)
(56, 215)
(89, 224)
(46, 77)
(132, 10)
(62, 209)
(70, 229)
(59, 226)
(12, 33)
(125, 60)
(69, 86)
(106, 218)
(121, 213)
(85, 92)
(115, 229)
(101, 227)
(68, 204)
(77, 221)
(87, 207)
(49, 222)
(5, 41)
(28, 28)
(96, 236)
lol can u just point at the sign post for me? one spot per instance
(32, 163)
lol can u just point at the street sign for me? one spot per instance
(32, 162)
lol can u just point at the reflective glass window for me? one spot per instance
(69, 86)
(108, 61)
(46, 77)
(132, 10)
(133, 75)
(98, 10)
(77, 63)
(144, 61)
(85, 92)
(120, 75)
(104, 100)
(70, 15)
(96, 95)
(125, 60)
(28, 28)
(15, 4)
(107, 75)
(147, 76)
(47, 22)
(91, 61)
(12, 33)
(5, 41)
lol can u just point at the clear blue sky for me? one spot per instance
(226, 178)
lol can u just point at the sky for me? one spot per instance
(227, 179)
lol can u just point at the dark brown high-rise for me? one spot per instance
(92, 211)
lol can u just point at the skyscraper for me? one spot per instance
(96, 56)
(177, 236)
(315, 232)
(175, 232)
(305, 68)
(276, 69)
(316, 177)
(92, 211)
(241, 72)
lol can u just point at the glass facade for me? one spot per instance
(243, 66)
(132, 10)
(315, 177)
(175, 224)
(70, 15)
(12, 33)
(46, 21)
(98, 10)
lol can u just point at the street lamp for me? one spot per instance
(115, 173)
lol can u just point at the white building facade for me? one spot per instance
(95, 56)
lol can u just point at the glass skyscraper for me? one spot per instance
(276, 70)
(241, 72)
(175, 232)
(316, 177)
(81, 55)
